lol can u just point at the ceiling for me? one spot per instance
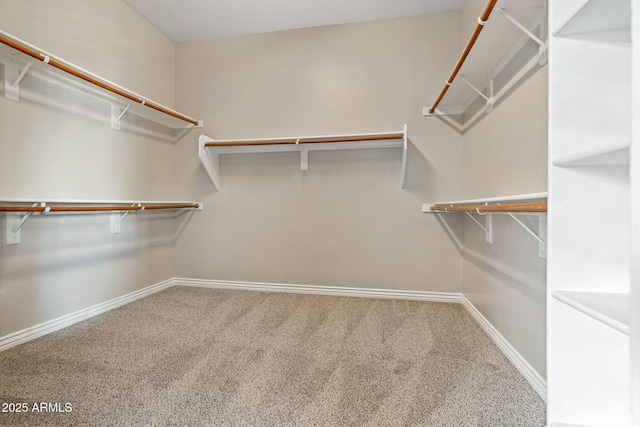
(189, 20)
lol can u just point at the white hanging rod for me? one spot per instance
(69, 68)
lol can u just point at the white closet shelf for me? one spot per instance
(210, 149)
(613, 153)
(18, 211)
(595, 16)
(37, 75)
(486, 55)
(611, 309)
(510, 199)
(127, 204)
(532, 203)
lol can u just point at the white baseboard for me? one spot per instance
(530, 374)
(321, 290)
(45, 328)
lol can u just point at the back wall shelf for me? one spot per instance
(210, 149)
(39, 76)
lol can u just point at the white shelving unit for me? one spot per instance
(36, 75)
(210, 149)
(588, 304)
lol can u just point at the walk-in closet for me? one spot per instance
(417, 213)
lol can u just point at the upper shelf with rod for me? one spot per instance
(40, 76)
(492, 63)
(18, 211)
(210, 149)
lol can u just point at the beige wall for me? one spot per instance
(345, 221)
(505, 153)
(67, 263)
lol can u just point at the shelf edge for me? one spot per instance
(591, 312)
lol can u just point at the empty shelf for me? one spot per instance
(595, 16)
(610, 309)
(614, 153)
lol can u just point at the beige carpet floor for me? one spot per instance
(193, 356)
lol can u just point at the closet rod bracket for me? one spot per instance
(489, 97)
(543, 46)
(14, 222)
(488, 227)
(13, 75)
(541, 238)
(117, 115)
(117, 218)
(304, 156)
(22, 75)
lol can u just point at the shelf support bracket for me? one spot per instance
(488, 227)
(405, 147)
(543, 29)
(116, 218)
(14, 222)
(488, 98)
(22, 75)
(12, 79)
(542, 244)
(304, 156)
(117, 115)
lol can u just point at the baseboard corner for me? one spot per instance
(37, 331)
(537, 382)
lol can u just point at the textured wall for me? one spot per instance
(505, 154)
(345, 221)
(67, 263)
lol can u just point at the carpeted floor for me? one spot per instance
(192, 356)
